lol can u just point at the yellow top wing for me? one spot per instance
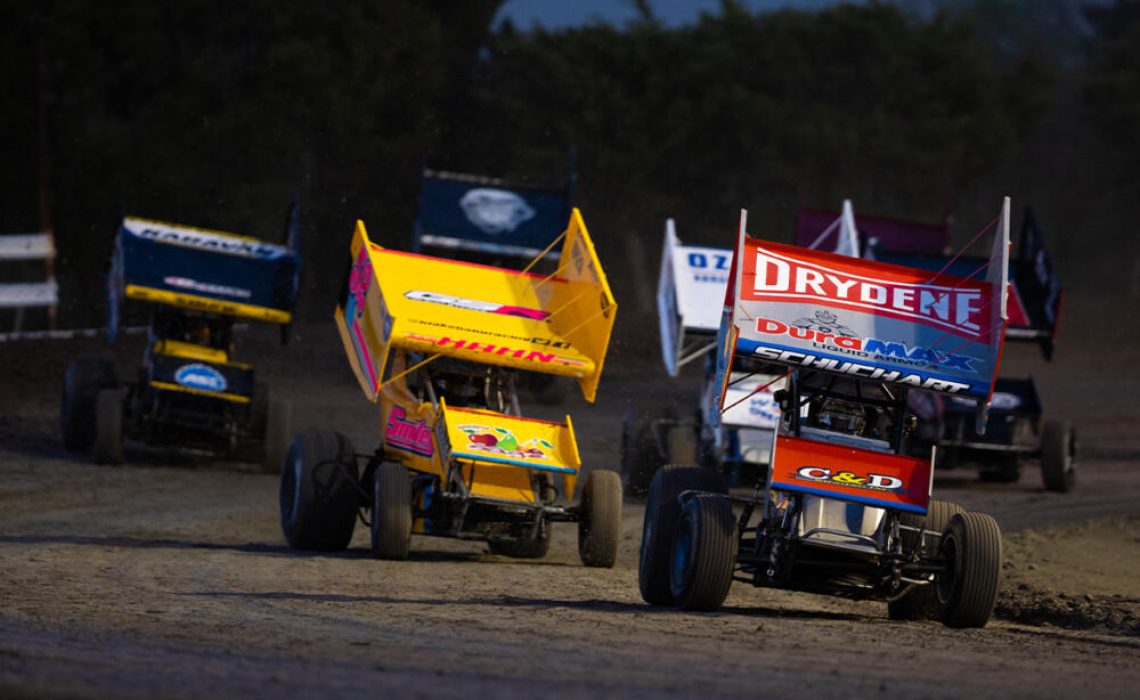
(558, 324)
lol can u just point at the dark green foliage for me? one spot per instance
(214, 113)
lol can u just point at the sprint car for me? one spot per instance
(438, 344)
(843, 509)
(738, 442)
(190, 392)
(1018, 431)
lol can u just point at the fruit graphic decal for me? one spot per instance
(501, 441)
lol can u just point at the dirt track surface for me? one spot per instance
(169, 577)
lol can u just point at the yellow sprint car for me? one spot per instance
(438, 344)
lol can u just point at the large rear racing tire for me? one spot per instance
(968, 589)
(108, 447)
(662, 514)
(82, 382)
(391, 511)
(275, 443)
(704, 553)
(1058, 456)
(921, 603)
(319, 493)
(599, 530)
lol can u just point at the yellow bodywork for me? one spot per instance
(395, 303)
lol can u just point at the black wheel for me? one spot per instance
(278, 428)
(1058, 456)
(82, 382)
(391, 511)
(662, 514)
(108, 448)
(921, 603)
(682, 442)
(525, 547)
(639, 458)
(968, 589)
(599, 529)
(704, 553)
(319, 491)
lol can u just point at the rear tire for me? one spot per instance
(662, 514)
(968, 589)
(319, 492)
(82, 382)
(108, 448)
(391, 511)
(1058, 456)
(278, 428)
(922, 601)
(599, 530)
(704, 554)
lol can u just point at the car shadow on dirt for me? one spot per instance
(595, 605)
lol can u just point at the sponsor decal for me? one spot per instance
(548, 342)
(824, 330)
(202, 240)
(359, 282)
(207, 288)
(858, 369)
(499, 350)
(764, 408)
(409, 436)
(475, 305)
(501, 441)
(873, 482)
(957, 309)
(199, 376)
(494, 211)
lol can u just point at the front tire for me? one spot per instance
(1058, 456)
(82, 382)
(391, 511)
(662, 514)
(599, 530)
(319, 492)
(108, 448)
(921, 603)
(704, 553)
(968, 590)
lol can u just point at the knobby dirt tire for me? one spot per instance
(319, 493)
(108, 447)
(1058, 456)
(662, 514)
(704, 553)
(82, 382)
(599, 530)
(922, 601)
(968, 591)
(391, 511)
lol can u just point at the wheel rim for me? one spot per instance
(682, 553)
(946, 582)
(289, 486)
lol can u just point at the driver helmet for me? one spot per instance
(842, 416)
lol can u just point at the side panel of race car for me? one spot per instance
(584, 309)
(362, 318)
(860, 476)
